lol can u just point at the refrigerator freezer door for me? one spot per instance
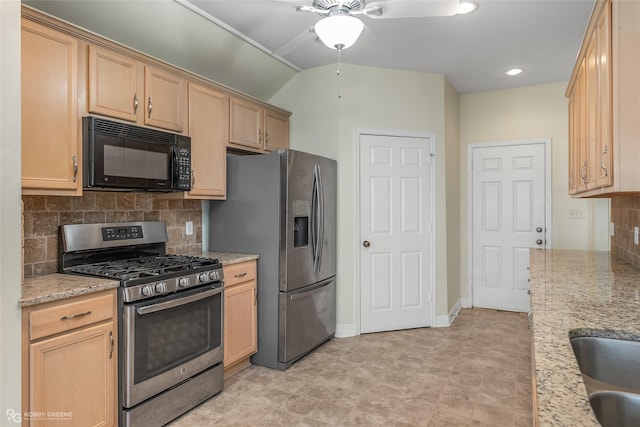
(307, 319)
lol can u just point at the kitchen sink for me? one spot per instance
(616, 409)
(608, 364)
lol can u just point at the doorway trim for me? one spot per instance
(357, 133)
(548, 197)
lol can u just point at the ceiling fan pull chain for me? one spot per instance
(338, 74)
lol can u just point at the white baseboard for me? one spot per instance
(346, 330)
(444, 321)
(466, 303)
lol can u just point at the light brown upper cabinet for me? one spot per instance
(51, 150)
(276, 126)
(124, 88)
(209, 131)
(604, 104)
(255, 127)
(114, 88)
(165, 100)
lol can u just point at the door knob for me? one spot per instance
(539, 241)
(366, 244)
(539, 229)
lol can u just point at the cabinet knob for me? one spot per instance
(150, 107)
(366, 244)
(135, 103)
(539, 229)
(539, 241)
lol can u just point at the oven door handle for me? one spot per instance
(176, 302)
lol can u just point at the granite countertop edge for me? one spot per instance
(576, 293)
(59, 286)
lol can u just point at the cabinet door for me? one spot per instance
(276, 130)
(604, 174)
(574, 170)
(246, 121)
(50, 124)
(240, 322)
(209, 131)
(592, 112)
(113, 84)
(582, 148)
(165, 100)
(72, 376)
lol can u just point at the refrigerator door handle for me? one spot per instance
(320, 217)
(314, 218)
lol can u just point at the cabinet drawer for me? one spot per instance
(70, 315)
(239, 273)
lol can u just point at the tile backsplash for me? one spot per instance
(43, 215)
(625, 215)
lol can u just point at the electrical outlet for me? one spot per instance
(188, 228)
(576, 213)
(612, 229)
(635, 235)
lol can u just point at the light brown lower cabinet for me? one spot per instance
(240, 316)
(70, 362)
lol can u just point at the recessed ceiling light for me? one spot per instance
(513, 71)
(466, 7)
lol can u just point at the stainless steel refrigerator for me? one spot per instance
(282, 206)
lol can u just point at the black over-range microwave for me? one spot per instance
(120, 156)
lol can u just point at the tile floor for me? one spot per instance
(475, 373)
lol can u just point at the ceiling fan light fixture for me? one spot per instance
(339, 31)
(466, 7)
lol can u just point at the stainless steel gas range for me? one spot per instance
(169, 314)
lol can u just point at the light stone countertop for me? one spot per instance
(589, 293)
(53, 287)
(227, 258)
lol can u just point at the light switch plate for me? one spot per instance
(612, 229)
(576, 213)
(188, 228)
(635, 235)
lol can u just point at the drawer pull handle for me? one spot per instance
(75, 316)
(240, 275)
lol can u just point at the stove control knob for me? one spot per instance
(183, 281)
(213, 275)
(161, 287)
(147, 290)
(202, 277)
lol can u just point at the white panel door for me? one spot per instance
(509, 208)
(395, 222)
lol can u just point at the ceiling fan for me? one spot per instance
(340, 28)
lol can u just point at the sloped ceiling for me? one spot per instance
(168, 31)
(472, 51)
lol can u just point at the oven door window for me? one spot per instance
(172, 336)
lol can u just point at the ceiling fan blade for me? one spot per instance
(295, 42)
(411, 8)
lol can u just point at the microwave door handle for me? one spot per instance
(175, 167)
(147, 309)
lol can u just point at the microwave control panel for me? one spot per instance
(182, 173)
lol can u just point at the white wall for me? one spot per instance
(372, 98)
(10, 219)
(523, 113)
